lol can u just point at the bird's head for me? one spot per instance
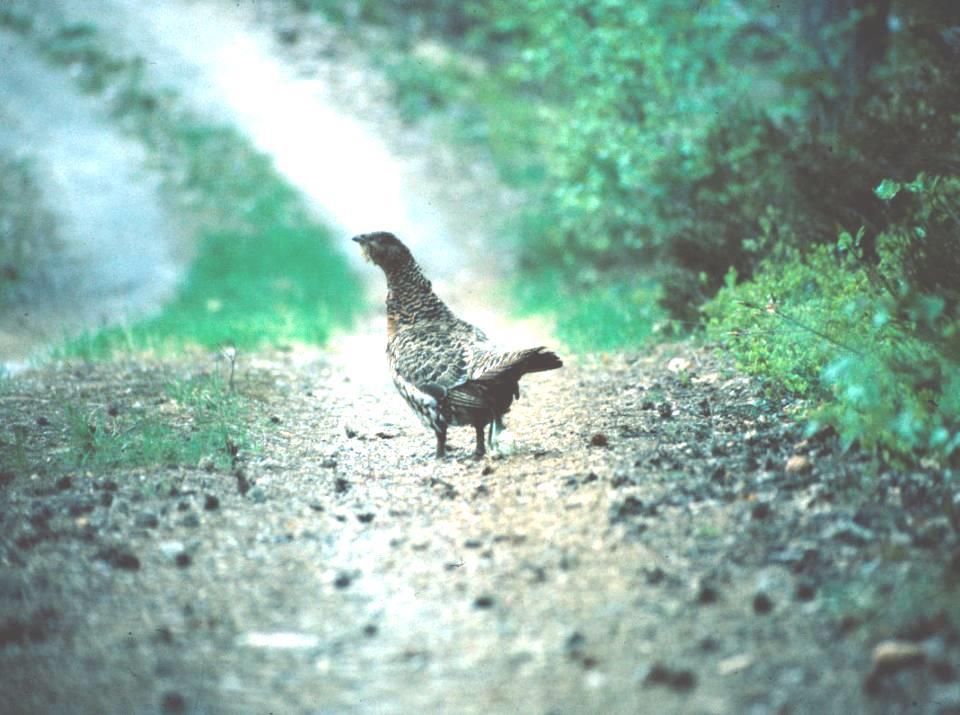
(384, 249)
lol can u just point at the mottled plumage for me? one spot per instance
(445, 368)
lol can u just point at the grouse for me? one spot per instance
(444, 367)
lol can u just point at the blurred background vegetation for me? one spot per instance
(785, 176)
(782, 179)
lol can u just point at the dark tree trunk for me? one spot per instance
(848, 68)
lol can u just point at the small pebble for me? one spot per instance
(211, 502)
(798, 464)
(762, 604)
(892, 656)
(343, 580)
(483, 602)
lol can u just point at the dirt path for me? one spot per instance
(645, 549)
(120, 252)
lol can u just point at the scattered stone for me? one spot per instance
(679, 365)
(762, 604)
(183, 559)
(80, 506)
(893, 656)
(481, 491)
(171, 549)
(487, 470)
(734, 664)
(258, 495)
(34, 629)
(211, 502)
(329, 463)
(113, 409)
(599, 440)
(42, 421)
(943, 670)
(288, 35)
(64, 483)
(707, 594)
(655, 575)
(665, 410)
(483, 602)
(575, 643)
(173, 703)
(591, 477)
(761, 510)
(890, 657)
(679, 679)
(848, 531)
(370, 630)
(719, 475)
(119, 559)
(631, 507)
(648, 405)
(366, 517)
(806, 591)
(798, 464)
(341, 485)
(281, 640)
(146, 520)
(709, 644)
(343, 580)
(472, 544)
(191, 521)
(275, 419)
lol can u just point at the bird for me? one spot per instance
(445, 368)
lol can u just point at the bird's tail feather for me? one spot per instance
(515, 365)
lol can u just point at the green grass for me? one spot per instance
(264, 272)
(600, 316)
(206, 421)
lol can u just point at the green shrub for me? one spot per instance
(873, 340)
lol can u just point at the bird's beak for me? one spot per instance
(364, 246)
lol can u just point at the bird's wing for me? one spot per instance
(430, 356)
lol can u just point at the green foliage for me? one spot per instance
(264, 271)
(874, 340)
(266, 274)
(202, 420)
(607, 315)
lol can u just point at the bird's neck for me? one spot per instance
(410, 298)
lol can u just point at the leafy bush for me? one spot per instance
(875, 342)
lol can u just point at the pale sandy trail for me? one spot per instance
(331, 134)
(119, 256)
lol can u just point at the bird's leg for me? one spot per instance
(495, 427)
(480, 451)
(442, 442)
